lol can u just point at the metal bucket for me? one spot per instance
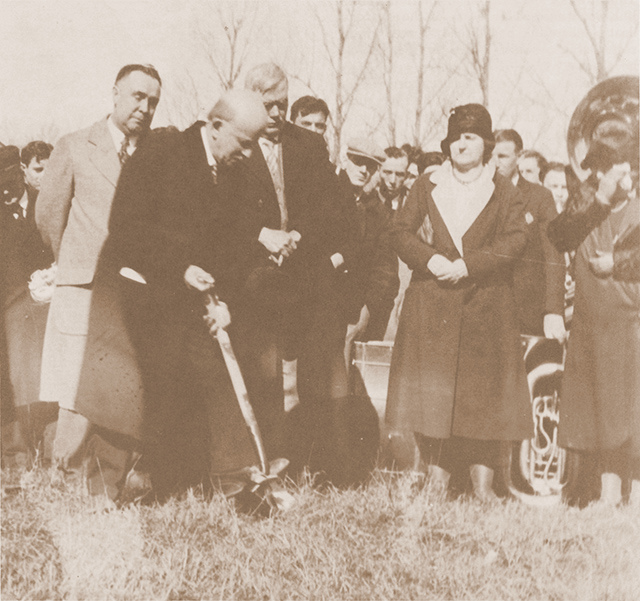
(370, 376)
(372, 361)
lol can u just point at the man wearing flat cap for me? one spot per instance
(359, 300)
(374, 273)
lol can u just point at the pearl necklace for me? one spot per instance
(475, 179)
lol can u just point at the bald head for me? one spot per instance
(234, 123)
(243, 108)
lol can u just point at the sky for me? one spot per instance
(60, 58)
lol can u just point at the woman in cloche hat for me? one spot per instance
(457, 375)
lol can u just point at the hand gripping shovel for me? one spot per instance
(265, 478)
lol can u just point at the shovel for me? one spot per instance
(265, 477)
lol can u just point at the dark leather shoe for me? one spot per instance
(137, 488)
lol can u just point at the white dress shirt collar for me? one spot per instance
(24, 202)
(207, 147)
(117, 135)
(268, 141)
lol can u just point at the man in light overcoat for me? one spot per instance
(73, 215)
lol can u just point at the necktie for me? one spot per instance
(271, 156)
(361, 212)
(273, 163)
(214, 173)
(123, 155)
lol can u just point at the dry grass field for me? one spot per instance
(389, 539)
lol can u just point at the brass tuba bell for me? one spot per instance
(609, 114)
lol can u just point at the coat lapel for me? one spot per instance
(198, 157)
(484, 223)
(524, 187)
(102, 152)
(258, 170)
(441, 231)
(290, 155)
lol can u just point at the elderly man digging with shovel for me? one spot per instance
(156, 276)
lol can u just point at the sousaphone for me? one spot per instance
(609, 114)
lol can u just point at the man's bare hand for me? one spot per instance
(454, 273)
(279, 242)
(197, 278)
(602, 264)
(553, 327)
(217, 317)
(617, 176)
(439, 265)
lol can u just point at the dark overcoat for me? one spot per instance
(150, 364)
(600, 396)
(539, 275)
(291, 310)
(457, 366)
(313, 209)
(371, 278)
(24, 319)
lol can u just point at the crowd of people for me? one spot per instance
(127, 250)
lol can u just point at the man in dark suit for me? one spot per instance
(24, 312)
(292, 243)
(164, 248)
(373, 282)
(393, 174)
(311, 113)
(539, 274)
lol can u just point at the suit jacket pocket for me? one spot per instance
(74, 276)
(70, 307)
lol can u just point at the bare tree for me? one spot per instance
(481, 50)
(224, 32)
(182, 99)
(594, 17)
(216, 53)
(424, 18)
(385, 44)
(477, 43)
(349, 54)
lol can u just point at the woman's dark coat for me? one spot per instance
(457, 366)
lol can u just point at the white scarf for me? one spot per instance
(460, 204)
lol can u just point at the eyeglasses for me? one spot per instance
(281, 104)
